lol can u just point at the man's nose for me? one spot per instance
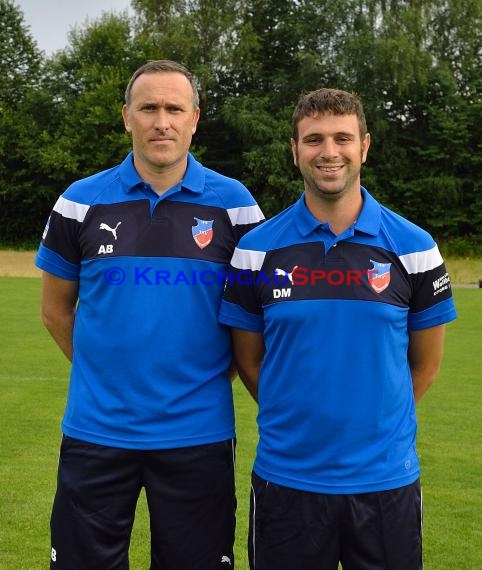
(162, 122)
(329, 148)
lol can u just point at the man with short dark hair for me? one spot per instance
(134, 260)
(337, 335)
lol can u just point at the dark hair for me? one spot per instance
(163, 66)
(331, 101)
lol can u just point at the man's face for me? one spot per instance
(329, 154)
(162, 119)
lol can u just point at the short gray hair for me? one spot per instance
(163, 66)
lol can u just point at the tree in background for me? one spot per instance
(85, 84)
(284, 48)
(69, 123)
(20, 70)
(202, 35)
(416, 65)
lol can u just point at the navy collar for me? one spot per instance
(194, 177)
(368, 221)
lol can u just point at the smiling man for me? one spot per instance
(336, 356)
(150, 401)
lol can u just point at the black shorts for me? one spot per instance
(291, 529)
(191, 499)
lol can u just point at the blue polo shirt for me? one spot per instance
(336, 405)
(150, 359)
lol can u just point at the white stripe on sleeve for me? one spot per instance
(421, 261)
(245, 215)
(248, 259)
(69, 209)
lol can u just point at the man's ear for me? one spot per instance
(294, 151)
(365, 147)
(195, 119)
(125, 116)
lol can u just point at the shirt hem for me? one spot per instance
(147, 445)
(342, 489)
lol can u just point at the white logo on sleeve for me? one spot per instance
(226, 560)
(113, 231)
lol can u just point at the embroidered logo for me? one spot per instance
(113, 231)
(379, 276)
(226, 559)
(202, 232)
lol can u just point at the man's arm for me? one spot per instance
(425, 350)
(59, 299)
(232, 371)
(248, 355)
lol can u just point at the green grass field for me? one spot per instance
(33, 384)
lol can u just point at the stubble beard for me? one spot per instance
(333, 194)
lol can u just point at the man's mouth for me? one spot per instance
(328, 168)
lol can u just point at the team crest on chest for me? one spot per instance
(202, 232)
(379, 276)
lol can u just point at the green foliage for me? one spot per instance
(67, 127)
(463, 247)
(425, 156)
(269, 170)
(19, 56)
(20, 63)
(87, 82)
(415, 64)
